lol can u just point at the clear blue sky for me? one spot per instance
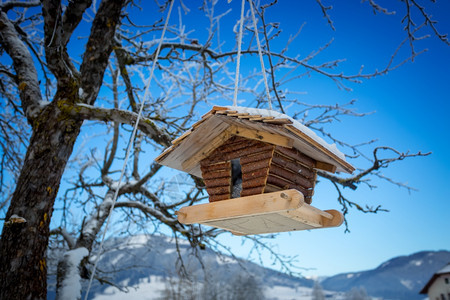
(411, 104)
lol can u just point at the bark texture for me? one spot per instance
(23, 267)
(24, 241)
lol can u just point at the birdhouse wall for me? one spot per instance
(255, 158)
(265, 168)
(291, 169)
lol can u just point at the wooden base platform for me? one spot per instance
(259, 214)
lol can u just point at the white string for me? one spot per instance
(238, 62)
(263, 69)
(147, 89)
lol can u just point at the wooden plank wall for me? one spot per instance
(255, 158)
(265, 168)
(291, 169)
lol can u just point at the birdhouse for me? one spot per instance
(259, 168)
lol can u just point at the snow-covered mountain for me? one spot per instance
(398, 278)
(144, 267)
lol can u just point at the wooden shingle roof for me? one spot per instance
(221, 123)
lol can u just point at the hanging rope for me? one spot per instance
(122, 173)
(261, 60)
(238, 61)
(263, 69)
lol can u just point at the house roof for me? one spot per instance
(221, 123)
(444, 271)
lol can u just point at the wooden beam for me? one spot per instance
(263, 136)
(206, 150)
(325, 166)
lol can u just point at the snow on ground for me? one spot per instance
(288, 293)
(146, 290)
(151, 288)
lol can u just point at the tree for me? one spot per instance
(357, 294)
(317, 293)
(48, 96)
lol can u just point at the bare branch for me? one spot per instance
(28, 83)
(89, 112)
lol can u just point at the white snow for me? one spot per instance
(416, 262)
(295, 123)
(150, 288)
(16, 219)
(350, 275)
(445, 269)
(169, 251)
(407, 283)
(225, 260)
(71, 285)
(288, 293)
(145, 290)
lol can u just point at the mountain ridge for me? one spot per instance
(401, 277)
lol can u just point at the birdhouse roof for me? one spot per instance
(221, 123)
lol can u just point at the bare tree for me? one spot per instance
(47, 94)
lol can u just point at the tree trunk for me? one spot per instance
(26, 230)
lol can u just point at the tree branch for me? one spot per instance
(89, 112)
(27, 78)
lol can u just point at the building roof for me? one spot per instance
(444, 271)
(219, 124)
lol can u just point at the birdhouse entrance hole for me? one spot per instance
(236, 178)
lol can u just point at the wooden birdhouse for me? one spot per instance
(259, 168)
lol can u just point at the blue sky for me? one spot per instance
(411, 106)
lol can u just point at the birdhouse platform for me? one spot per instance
(260, 214)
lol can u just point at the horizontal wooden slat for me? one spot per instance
(225, 112)
(250, 150)
(255, 165)
(271, 188)
(293, 177)
(210, 183)
(220, 190)
(262, 136)
(217, 174)
(296, 155)
(214, 167)
(285, 185)
(252, 191)
(247, 175)
(326, 167)
(214, 198)
(292, 165)
(278, 121)
(250, 183)
(237, 114)
(325, 151)
(263, 155)
(249, 117)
